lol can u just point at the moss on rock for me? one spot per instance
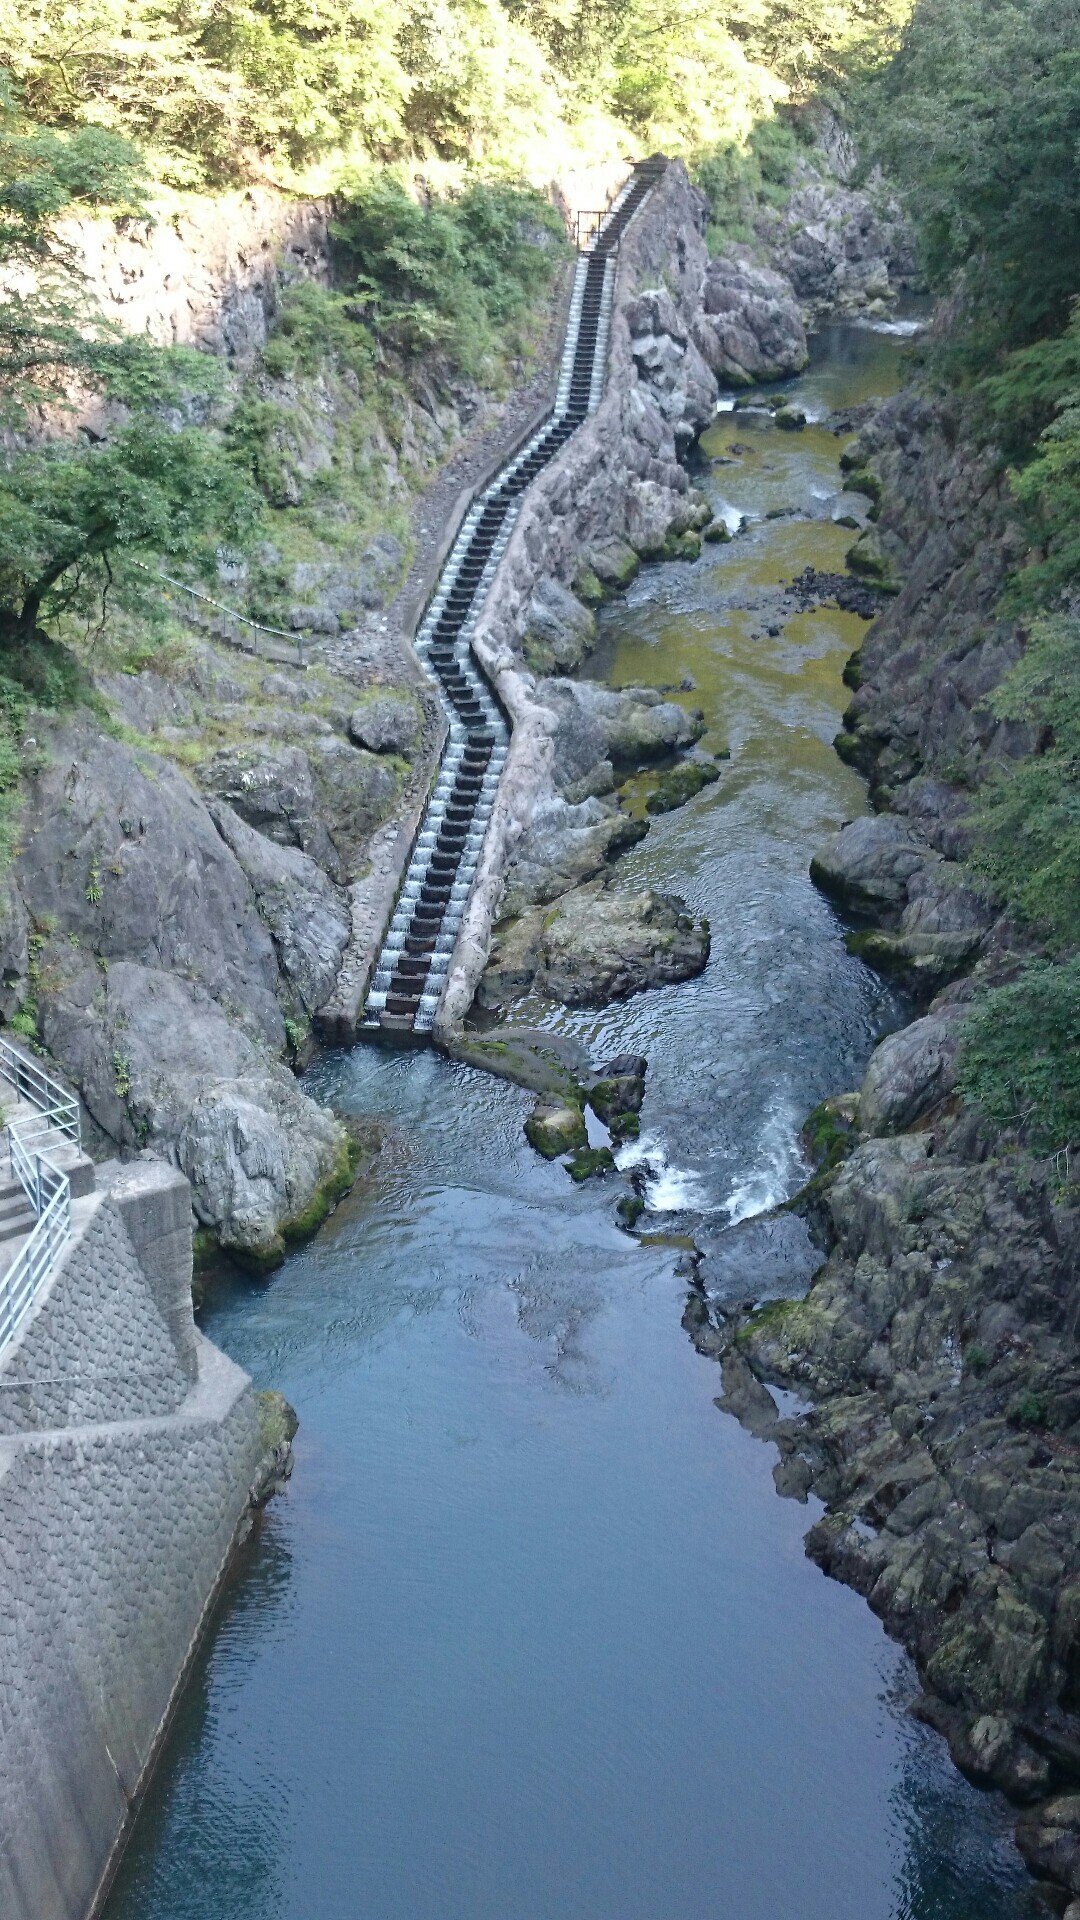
(555, 1126)
(681, 785)
(590, 1163)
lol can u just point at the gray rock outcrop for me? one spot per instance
(600, 943)
(169, 947)
(842, 249)
(749, 327)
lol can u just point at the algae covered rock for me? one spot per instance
(556, 1126)
(620, 1089)
(789, 419)
(602, 943)
(614, 563)
(590, 1163)
(681, 785)
(870, 560)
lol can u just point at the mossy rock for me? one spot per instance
(848, 521)
(624, 1126)
(555, 1126)
(717, 533)
(614, 564)
(789, 419)
(681, 784)
(852, 674)
(629, 1210)
(616, 1097)
(830, 1132)
(861, 480)
(590, 1163)
(682, 546)
(589, 588)
(854, 749)
(278, 1424)
(868, 560)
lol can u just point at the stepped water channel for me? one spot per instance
(531, 1636)
(415, 958)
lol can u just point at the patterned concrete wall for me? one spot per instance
(114, 1532)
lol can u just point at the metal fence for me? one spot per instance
(235, 629)
(45, 1185)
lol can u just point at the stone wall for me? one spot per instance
(129, 1451)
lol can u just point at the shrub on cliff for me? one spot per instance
(1027, 817)
(1020, 1055)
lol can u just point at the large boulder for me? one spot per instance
(263, 1161)
(910, 1074)
(559, 630)
(600, 943)
(750, 327)
(868, 864)
(387, 720)
(307, 917)
(841, 248)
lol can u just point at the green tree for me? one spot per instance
(1020, 1055)
(72, 518)
(978, 118)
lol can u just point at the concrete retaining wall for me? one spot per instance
(129, 1451)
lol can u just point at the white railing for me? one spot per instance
(34, 1262)
(46, 1186)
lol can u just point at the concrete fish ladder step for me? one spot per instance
(418, 944)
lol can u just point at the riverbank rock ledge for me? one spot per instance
(599, 943)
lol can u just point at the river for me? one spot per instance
(531, 1636)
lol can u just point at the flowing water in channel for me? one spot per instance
(531, 1636)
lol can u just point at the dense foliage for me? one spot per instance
(1021, 1058)
(978, 118)
(216, 90)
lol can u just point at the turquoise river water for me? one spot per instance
(531, 1637)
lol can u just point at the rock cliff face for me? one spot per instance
(172, 948)
(206, 273)
(939, 1341)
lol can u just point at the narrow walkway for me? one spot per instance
(415, 958)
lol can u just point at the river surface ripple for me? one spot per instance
(531, 1637)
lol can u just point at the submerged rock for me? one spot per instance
(681, 785)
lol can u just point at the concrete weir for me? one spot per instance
(130, 1449)
(416, 957)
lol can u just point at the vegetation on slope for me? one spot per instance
(977, 118)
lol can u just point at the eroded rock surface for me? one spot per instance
(598, 943)
(750, 327)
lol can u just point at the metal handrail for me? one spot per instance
(32, 1083)
(34, 1261)
(46, 1185)
(256, 627)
